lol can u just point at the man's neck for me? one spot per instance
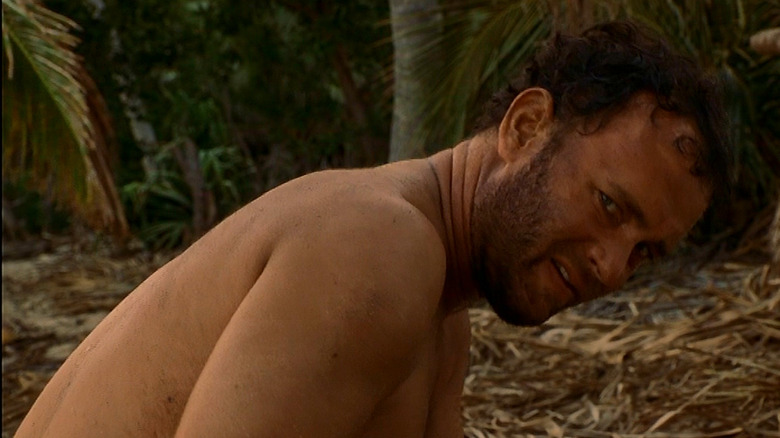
(459, 172)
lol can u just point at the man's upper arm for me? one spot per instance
(330, 329)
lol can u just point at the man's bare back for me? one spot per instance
(272, 307)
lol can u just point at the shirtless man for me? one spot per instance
(335, 305)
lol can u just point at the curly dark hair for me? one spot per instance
(597, 73)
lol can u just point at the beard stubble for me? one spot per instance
(507, 220)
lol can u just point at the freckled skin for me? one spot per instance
(334, 305)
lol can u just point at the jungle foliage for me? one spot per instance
(212, 102)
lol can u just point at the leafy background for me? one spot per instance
(187, 109)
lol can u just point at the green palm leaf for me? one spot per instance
(55, 130)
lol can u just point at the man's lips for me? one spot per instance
(565, 276)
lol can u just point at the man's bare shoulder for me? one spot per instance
(354, 211)
(339, 319)
(360, 225)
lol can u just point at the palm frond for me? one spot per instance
(55, 128)
(480, 40)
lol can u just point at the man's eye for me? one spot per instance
(608, 203)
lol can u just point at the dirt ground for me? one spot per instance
(51, 302)
(681, 354)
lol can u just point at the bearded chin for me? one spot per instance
(507, 222)
(503, 286)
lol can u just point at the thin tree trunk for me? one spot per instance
(413, 26)
(204, 211)
(356, 108)
(352, 99)
(227, 107)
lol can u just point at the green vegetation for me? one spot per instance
(201, 105)
(54, 135)
(214, 102)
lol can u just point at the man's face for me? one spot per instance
(575, 222)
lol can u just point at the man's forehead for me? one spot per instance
(644, 156)
(672, 129)
(683, 130)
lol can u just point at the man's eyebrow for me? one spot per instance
(625, 198)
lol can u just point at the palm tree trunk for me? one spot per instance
(413, 27)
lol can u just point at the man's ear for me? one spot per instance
(526, 125)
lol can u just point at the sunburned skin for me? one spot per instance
(335, 305)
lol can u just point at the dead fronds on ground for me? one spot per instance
(697, 355)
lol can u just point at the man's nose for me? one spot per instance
(609, 260)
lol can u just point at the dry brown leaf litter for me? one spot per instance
(695, 358)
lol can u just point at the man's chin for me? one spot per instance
(516, 316)
(515, 304)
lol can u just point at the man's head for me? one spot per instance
(593, 76)
(610, 149)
